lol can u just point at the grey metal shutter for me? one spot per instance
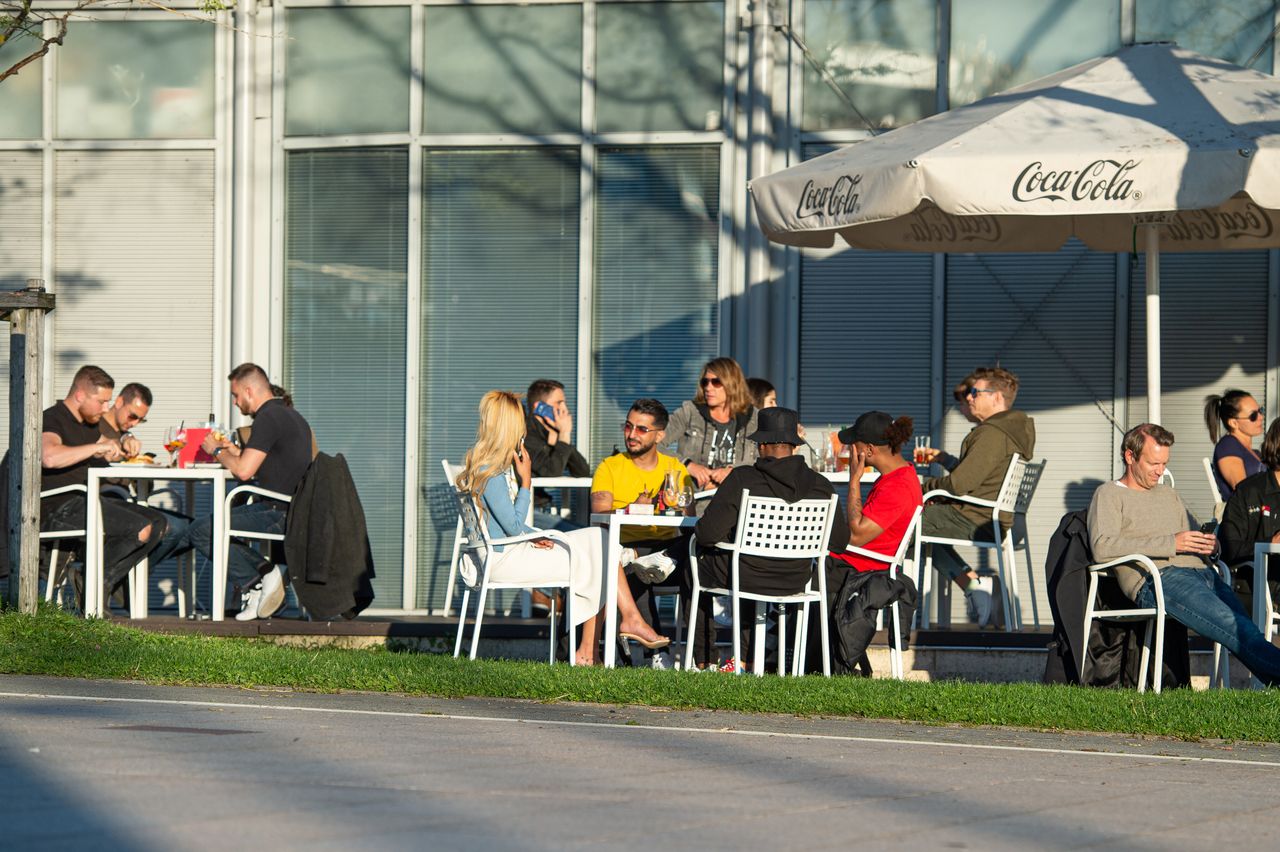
(1213, 336)
(1049, 318)
(134, 276)
(864, 332)
(20, 189)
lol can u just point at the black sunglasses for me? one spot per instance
(1257, 413)
(711, 381)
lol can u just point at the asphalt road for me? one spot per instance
(126, 766)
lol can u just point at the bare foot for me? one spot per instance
(587, 660)
(640, 628)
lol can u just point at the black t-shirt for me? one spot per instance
(59, 420)
(724, 437)
(283, 434)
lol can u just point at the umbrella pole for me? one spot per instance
(1151, 247)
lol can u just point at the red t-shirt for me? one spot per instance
(890, 505)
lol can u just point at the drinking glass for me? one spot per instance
(685, 498)
(671, 489)
(175, 438)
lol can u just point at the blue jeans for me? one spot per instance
(1198, 598)
(245, 566)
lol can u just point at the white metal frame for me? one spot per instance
(476, 540)
(1213, 482)
(1008, 500)
(772, 528)
(895, 567)
(228, 531)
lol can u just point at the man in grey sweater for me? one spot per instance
(1138, 514)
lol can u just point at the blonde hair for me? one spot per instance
(736, 391)
(499, 432)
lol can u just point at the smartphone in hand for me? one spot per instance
(544, 410)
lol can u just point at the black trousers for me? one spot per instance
(121, 523)
(714, 569)
(647, 602)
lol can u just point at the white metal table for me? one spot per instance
(613, 553)
(1262, 603)
(95, 599)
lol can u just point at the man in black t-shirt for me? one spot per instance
(70, 444)
(275, 457)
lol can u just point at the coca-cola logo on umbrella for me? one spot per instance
(837, 199)
(1101, 180)
(933, 226)
(1246, 222)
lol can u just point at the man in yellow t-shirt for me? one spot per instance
(651, 554)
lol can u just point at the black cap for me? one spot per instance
(870, 428)
(777, 426)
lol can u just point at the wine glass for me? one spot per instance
(685, 498)
(175, 438)
(671, 489)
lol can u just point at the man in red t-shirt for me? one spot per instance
(876, 439)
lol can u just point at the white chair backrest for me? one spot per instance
(1031, 473)
(1007, 499)
(908, 537)
(475, 533)
(1213, 481)
(1166, 478)
(775, 529)
(451, 472)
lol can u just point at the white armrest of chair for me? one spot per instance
(860, 551)
(1224, 571)
(962, 498)
(255, 490)
(726, 545)
(703, 495)
(1141, 559)
(530, 536)
(65, 489)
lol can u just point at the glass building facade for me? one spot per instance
(395, 207)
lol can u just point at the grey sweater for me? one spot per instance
(1125, 520)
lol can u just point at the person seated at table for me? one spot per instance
(1139, 514)
(1242, 419)
(763, 394)
(70, 443)
(496, 473)
(636, 475)
(876, 439)
(960, 393)
(275, 457)
(1252, 515)
(984, 460)
(710, 431)
(777, 472)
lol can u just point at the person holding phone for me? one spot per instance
(497, 473)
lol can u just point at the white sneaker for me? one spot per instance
(655, 567)
(977, 600)
(272, 593)
(661, 660)
(628, 555)
(249, 604)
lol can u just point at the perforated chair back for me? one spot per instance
(475, 539)
(775, 529)
(1031, 473)
(1007, 500)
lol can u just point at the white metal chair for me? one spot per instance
(1018, 533)
(250, 493)
(895, 563)
(476, 550)
(1155, 616)
(1264, 610)
(55, 577)
(451, 472)
(1213, 481)
(1012, 494)
(772, 528)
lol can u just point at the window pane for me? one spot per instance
(136, 80)
(1230, 31)
(20, 94)
(495, 69)
(499, 308)
(883, 56)
(656, 299)
(347, 71)
(996, 45)
(659, 66)
(346, 267)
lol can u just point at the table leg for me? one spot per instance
(612, 555)
(92, 548)
(219, 583)
(1260, 614)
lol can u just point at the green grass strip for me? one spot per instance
(54, 643)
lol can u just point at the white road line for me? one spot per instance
(632, 726)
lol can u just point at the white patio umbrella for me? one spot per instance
(1154, 139)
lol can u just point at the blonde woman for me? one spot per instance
(711, 430)
(497, 473)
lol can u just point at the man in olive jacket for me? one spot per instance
(984, 460)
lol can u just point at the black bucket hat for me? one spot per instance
(777, 426)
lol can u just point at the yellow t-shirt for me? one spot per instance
(619, 476)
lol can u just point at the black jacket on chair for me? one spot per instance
(326, 542)
(1115, 648)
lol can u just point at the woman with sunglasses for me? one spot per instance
(711, 429)
(1242, 420)
(497, 473)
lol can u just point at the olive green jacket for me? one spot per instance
(984, 460)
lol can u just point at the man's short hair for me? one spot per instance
(248, 372)
(90, 378)
(135, 391)
(999, 379)
(540, 389)
(1136, 438)
(653, 408)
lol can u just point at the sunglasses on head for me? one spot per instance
(629, 427)
(711, 382)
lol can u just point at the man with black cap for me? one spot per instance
(777, 472)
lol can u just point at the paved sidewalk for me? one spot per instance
(129, 766)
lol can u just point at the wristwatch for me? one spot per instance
(215, 452)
